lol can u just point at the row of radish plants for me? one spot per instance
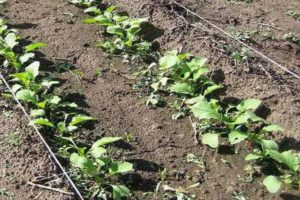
(186, 77)
(92, 168)
(181, 75)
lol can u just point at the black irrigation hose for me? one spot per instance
(43, 140)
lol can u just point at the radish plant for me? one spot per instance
(186, 77)
(180, 74)
(184, 74)
(105, 18)
(286, 162)
(236, 122)
(100, 171)
(60, 118)
(8, 42)
(70, 124)
(291, 37)
(27, 79)
(240, 123)
(126, 38)
(294, 14)
(124, 32)
(84, 3)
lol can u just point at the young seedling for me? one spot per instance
(184, 75)
(291, 37)
(13, 139)
(97, 170)
(28, 78)
(179, 193)
(287, 162)
(243, 36)
(84, 3)
(238, 123)
(125, 33)
(8, 41)
(241, 56)
(126, 39)
(294, 14)
(238, 195)
(96, 165)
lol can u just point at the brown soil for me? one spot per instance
(265, 17)
(159, 141)
(208, 42)
(23, 159)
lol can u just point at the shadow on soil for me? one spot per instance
(23, 26)
(226, 150)
(138, 183)
(151, 32)
(287, 196)
(288, 143)
(218, 76)
(77, 98)
(144, 165)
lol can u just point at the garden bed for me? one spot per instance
(158, 141)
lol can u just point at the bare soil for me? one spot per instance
(159, 141)
(23, 159)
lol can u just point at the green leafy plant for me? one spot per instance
(27, 79)
(291, 37)
(124, 32)
(243, 36)
(182, 74)
(287, 162)
(106, 18)
(179, 74)
(179, 193)
(241, 56)
(60, 118)
(100, 170)
(72, 122)
(85, 3)
(126, 38)
(237, 122)
(240, 123)
(294, 14)
(8, 42)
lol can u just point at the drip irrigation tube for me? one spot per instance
(43, 140)
(239, 41)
